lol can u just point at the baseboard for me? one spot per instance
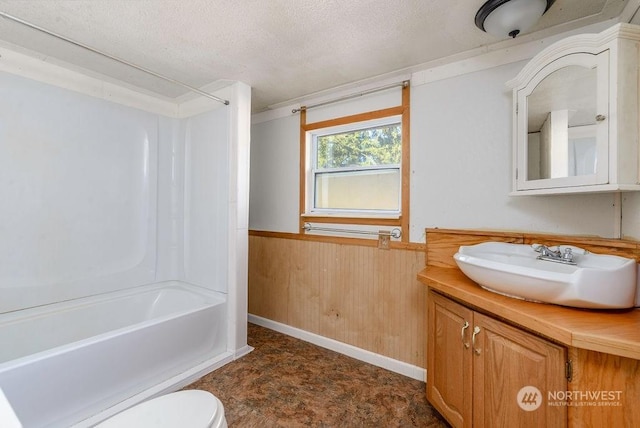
(242, 352)
(390, 364)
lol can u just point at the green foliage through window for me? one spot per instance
(365, 147)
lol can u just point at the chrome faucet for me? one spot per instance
(556, 256)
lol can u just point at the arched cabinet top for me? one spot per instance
(592, 43)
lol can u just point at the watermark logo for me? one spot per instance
(529, 398)
(585, 398)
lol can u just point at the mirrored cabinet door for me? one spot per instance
(562, 124)
(576, 115)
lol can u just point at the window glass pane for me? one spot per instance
(358, 190)
(380, 145)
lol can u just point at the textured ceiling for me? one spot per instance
(284, 49)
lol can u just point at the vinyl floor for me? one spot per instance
(287, 382)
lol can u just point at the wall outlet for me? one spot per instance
(384, 241)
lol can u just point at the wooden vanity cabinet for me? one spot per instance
(476, 366)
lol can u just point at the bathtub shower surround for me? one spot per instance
(78, 178)
(122, 258)
(69, 360)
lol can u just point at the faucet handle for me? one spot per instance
(543, 249)
(538, 248)
(573, 249)
(568, 254)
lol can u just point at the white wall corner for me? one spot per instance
(239, 96)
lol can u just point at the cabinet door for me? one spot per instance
(562, 125)
(449, 372)
(611, 384)
(506, 360)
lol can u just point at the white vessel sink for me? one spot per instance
(595, 281)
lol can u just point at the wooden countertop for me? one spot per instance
(611, 332)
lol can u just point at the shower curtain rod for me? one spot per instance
(404, 84)
(122, 61)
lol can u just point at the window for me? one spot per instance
(356, 168)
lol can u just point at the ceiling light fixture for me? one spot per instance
(503, 18)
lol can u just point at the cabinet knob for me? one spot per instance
(476, 330)
(464, 327)
(600, 117)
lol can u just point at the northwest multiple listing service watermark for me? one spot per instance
(530, 398)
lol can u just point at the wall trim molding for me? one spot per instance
(369, 357)
(362, 242)
(471, 61)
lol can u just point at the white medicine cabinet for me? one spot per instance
(575, 116)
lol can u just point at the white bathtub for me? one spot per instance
(78, 362)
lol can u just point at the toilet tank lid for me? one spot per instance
(188, 408)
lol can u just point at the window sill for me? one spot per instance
(351, 215)
(382, 220)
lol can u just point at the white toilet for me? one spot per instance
(182, 409)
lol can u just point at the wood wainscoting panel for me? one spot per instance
(268, 278)
(359, 295)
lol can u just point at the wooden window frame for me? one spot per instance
(401, 221)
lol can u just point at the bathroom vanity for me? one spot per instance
(485, 351)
